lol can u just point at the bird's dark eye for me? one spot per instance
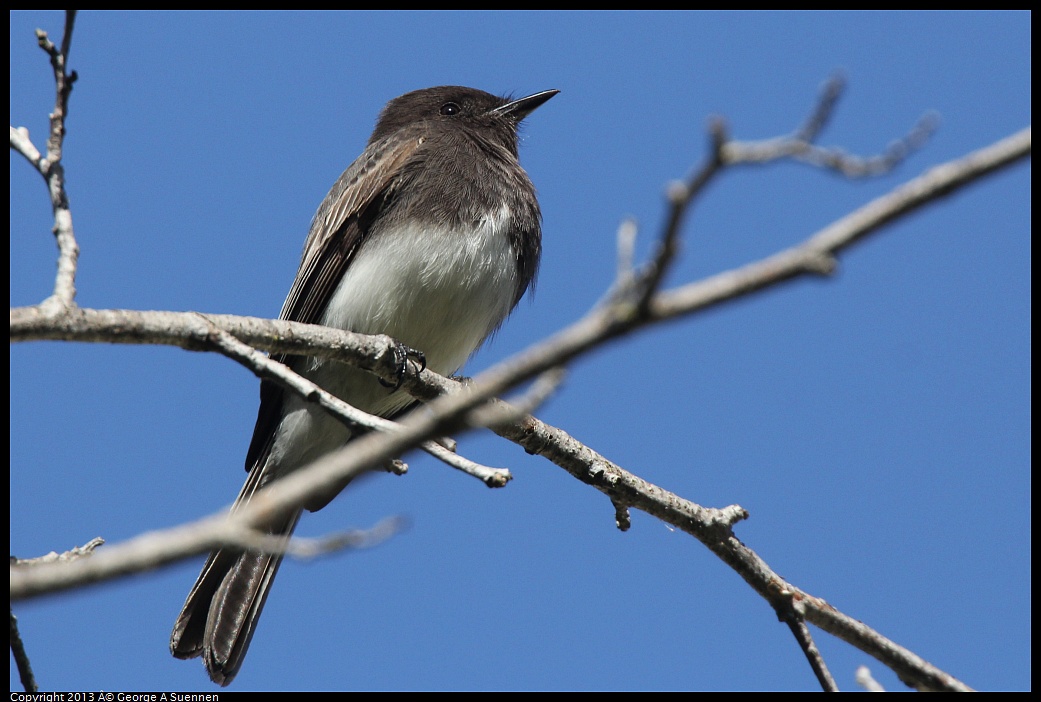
(449, 109)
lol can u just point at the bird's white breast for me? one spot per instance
(438, 290)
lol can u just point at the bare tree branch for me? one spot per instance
(53, 172)
(35, 577)
(725, 152)
(800, 144)
(815, 256)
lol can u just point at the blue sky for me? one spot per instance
(876, 425)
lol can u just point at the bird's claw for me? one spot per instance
(402, 355)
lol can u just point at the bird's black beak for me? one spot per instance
(519, 109)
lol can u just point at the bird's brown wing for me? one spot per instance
(337, 231)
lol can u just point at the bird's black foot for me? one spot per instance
(402, 355)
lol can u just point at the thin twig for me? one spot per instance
(802, 635)
(867, 681)
(680, 197)
(824, 109)
(835, 159)
(21, 143)
(626, 252)
(800, 144)
(21, 657)
(63, 81)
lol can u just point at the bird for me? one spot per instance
(431, 236)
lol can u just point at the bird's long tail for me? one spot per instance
(221, 612)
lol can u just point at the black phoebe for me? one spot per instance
(431, 236)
